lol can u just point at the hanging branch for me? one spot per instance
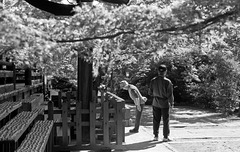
(191, 28)
(200, 25)
(97, 37)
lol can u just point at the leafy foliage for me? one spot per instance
(197, 39)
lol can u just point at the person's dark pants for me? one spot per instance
(138, 117)
(159, 113)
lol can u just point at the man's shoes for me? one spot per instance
(155, 138)
(166, 140)
(133, 131)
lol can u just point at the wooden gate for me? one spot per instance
(81, 123)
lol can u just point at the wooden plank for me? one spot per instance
(78, 103)
(78, 123)
(5, 63)
(73, 112)
(28, 76)
(4, 73)
(6, 88)
(39, 138)
(27, 89)
(85, 85)
(115, 97)
(106, 134)
(59, 101)
(85, 123)
(119, 123)
(92, 123)
(22, 121)
(65, 123)
(50, 110)
(32, 102)
(14, 75)
(7, 108)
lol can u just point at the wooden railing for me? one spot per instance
(7, 77)
(20, 109)
(106, 123)
(28, 76)
(40, 139)
(20, 93)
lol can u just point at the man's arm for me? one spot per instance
(150, 90)
(136, 95)
(170, 94)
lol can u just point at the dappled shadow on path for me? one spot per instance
(192, 115)
(183, 116)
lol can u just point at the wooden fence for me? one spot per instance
(29, 76)
(20, 109)
(7, 77)
(106, 123)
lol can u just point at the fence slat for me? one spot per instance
(59, 103)
(105, 123)
(92, 123)
(119, 124)
(65, 122)
(50, 110)
(14, 76)
(78, 123)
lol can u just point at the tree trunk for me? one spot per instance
(239, 110)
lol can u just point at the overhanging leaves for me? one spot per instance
(191, 28)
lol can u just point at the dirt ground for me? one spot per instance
(196, 130)
(208, 146)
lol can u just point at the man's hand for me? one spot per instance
(138, 107)
(172, 108)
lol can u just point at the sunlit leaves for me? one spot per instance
(34, 32)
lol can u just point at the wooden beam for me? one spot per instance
(64, 9)
(79, 103)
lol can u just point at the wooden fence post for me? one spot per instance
(239, 110)
(105, 111)
(119, 124)
(14, 76)
(92, 123)
(28, 76)
(78, 123)
(50, 110)
(59, 101)
(65, 122)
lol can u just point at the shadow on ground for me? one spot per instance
(142, 145)
(183, 115)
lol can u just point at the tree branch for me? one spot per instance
(191, 28)
(96, 37)
(200, 25)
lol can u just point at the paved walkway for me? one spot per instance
(192, 130)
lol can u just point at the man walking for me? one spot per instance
(138, 99)
(161, 88)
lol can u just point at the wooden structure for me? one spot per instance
(29, 76)
(79, 123)
(20, 109)
(7, 77)
(106, 125)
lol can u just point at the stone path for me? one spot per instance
(192, 130)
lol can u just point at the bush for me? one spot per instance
(62, 83)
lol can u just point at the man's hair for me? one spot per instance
(162, 68)
(123, 83)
